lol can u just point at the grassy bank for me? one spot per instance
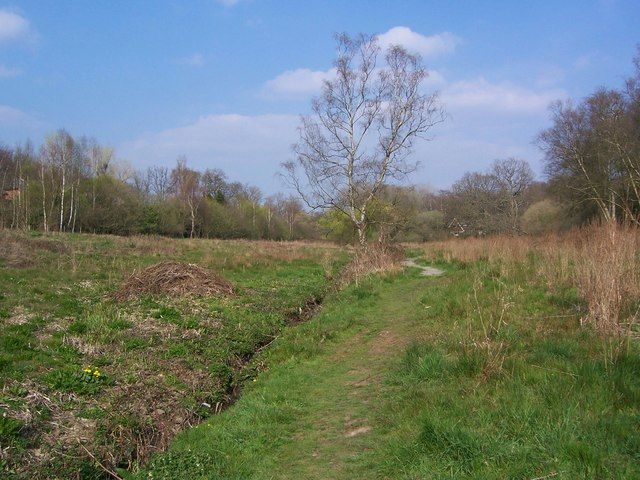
(483, 373)
(163, 364)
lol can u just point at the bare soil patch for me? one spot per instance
(425, 271)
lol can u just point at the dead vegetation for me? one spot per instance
(18, 251)
(601, 261)
(378, 258)
(606, 274)
(174, 279)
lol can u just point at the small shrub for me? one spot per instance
(541, 217)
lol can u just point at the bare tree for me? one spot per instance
(214, 184)
(475, 201)
(593, 151)
(159, 179)
(513, 176)
(58, 150)
(254, 197)
(100, 159)
(290, 209)
(362, 129)
(187, 185)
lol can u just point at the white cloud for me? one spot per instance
(195, 60)
(434, 79)
(297, 83)
(6, 72)
(13, 117)
(505, 97)
(249, 148)
(303, 82)
(13, 26)
(427, 46)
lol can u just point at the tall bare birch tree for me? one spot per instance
(362, 129)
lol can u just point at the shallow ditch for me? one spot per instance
(302, 314)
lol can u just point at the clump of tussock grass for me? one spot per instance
(606, 274)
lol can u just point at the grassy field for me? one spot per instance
(503, 367)
(162, 363)
(482, 373)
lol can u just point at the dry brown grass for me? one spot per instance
(606, 274)
(20, 251)
(174, 279)
(602, 261)
(374, 259)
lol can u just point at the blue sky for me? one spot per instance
(223, 82)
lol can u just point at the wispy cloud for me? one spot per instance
(505, 97)
(427, 46)
(435, 79)
(13, 117)
(6, 72)
(249, 147)
(195, 60)
(304, 82)
(14, 27)
(298, 83)
(228, 3)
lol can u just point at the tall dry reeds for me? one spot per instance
(602, 261)
(606, 274)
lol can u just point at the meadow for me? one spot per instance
(520, 361)
(90, 383)
(503, 367)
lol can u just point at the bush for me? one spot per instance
(543, 216)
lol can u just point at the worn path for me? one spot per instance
(314, 416)
(425, 270)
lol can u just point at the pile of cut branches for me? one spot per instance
(174, 279)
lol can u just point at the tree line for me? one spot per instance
(76, 185)
(348, 167)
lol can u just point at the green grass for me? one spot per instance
(481, 373)
(156, 354)
(473, 375)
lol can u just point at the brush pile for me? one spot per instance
(174, 279)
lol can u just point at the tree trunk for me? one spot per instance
(193, 219)
(61, 226)
(362, 234)
(45, 225)
(75, 210)
(71, 205)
